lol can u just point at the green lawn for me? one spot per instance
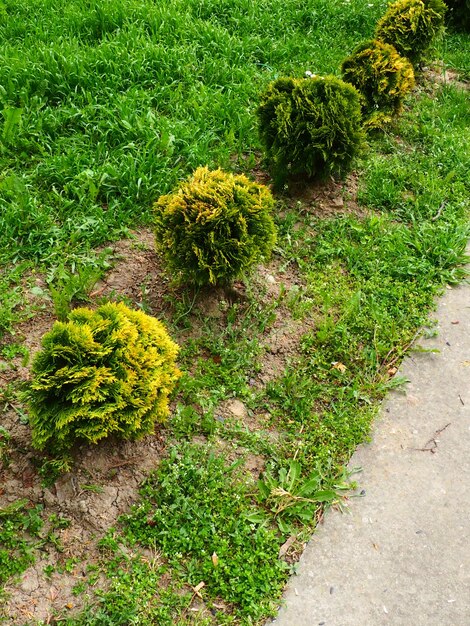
(105, 106)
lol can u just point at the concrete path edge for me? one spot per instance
(401, 555)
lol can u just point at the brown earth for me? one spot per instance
(105, 479)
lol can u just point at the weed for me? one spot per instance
(222, 365)
(5, 447)
(73, 283)
(258, 441)
(79, 588)
(9, 396)
(291, 497)
(13, 350)
(135, 97)
(11, 298)
(57, 521)
(218, 545)
(186, 422)
(92, 488)
(135, 595)
(20, 527)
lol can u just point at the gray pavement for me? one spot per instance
(401, 556)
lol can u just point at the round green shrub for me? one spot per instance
(310, 126)
(214, 227)
(412, 26)
(381, 75)
(102, 372)
(459, 14)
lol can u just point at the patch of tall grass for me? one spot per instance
(106, 105)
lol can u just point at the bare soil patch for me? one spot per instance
(327, 198)
(105, 479)
(442, 76)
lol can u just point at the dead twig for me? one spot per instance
(387, 365)
(99, 292)
(433, 441)
(438, 214)
(196, 594)
(130, 461)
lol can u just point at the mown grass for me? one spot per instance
(105, 106)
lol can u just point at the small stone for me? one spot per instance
(270, 279)
(48, 497)
(82, 506)
(237, 408)
(30, 581)
(64, 490)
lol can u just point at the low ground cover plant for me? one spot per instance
(382, 77)
(195, 508)
(133, 593)
(215, 227)
(293, 498)
(20, 526)
(309, 126)
(102, 372)
(412, 27)
(176, 86)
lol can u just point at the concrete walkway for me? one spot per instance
(401, 556)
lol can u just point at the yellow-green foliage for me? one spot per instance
(214, 227)
(381, 75)
(310, 126)
(412, 26)
(102, 372)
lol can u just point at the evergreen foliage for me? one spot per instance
(382, 77)
(412, 26)
(102, 372)
(214, 227)
(310, 126)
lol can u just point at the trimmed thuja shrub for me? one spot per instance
(412, 26)
(214, 227)
(102, 372)
(382, 77)
(310, 126)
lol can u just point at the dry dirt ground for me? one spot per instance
(117, 468)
